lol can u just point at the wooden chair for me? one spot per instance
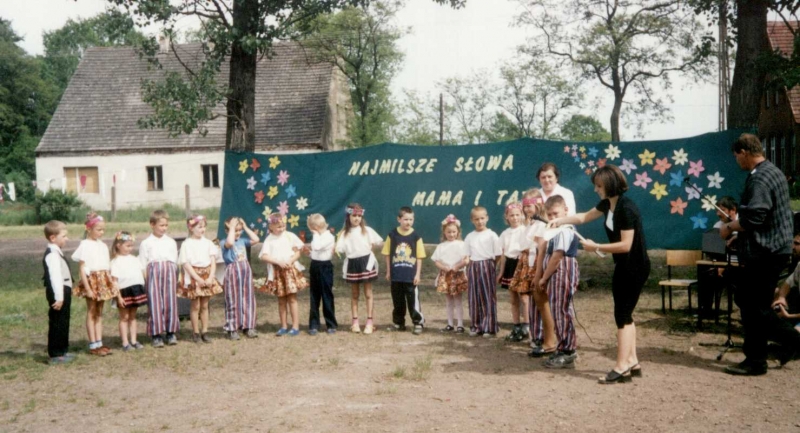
(679, 258)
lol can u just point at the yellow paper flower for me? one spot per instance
(274, 162)
(647, 157)
(294, 220)
(659, 190)
(243, 165)
(267, 212)
(273, 191)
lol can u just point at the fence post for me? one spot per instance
(188, 203)
(113, 202)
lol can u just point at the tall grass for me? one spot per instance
(17, 214)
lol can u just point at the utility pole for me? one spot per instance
(441, 119)
(724, 70)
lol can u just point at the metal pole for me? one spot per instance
(441, 119)
(113, 203)
(188, 204)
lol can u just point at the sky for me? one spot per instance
(442, 43)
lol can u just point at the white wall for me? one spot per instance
(179, 169)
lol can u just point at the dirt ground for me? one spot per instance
(392, 382)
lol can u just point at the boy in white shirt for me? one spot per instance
(321, 271)
(484, 250)
(58, 289)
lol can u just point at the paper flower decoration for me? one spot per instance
(283, 177)
(291, 191)
(699, 221)
(678, 206)
(566, 149)
(294, 221)
(259, 195)
(627, 165)
(646, 157)
(243, 166)
(676, 178)
(601, 162)
(642, 179)
(612, 152)
(695, 168)
(680, 157)
(255, 165)
(274, 162)
(708, 203)
(302, 203)
(574, 154)
(273, 191)
(582, 148)
(266, 177)
(577, 159)
(591, 163)
(574, 147)
(715, 180)
(267, 212)
(662, 165)
(251, 183)
(583, 155)
(582, 166)
(692, 193)
(593, 152)
(659, 190)
(283, 208)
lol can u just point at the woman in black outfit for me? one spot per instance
(623, 224)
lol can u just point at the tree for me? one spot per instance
(418, 122)
(238, 31)
(535, 95)
(64, 47)
(468, 105)
(27, 101)
(362, 43)
(630, 48)
(584, 128)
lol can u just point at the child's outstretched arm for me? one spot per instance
(231, 238)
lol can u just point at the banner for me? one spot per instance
(436, 181)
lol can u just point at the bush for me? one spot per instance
(55, 205)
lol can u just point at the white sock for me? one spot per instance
(450, 303)
(459, 310)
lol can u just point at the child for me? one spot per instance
(321, 251)
(159, 255)
(404, 251)
(451, 258)
(360, 266)
(280, 251)
(128, 271)
(513, 241)
(240, 301)
(560, 276)
(58, 291)
(96, 283)
(484, 249)
(198, 260)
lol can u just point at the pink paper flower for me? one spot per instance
(642, 179)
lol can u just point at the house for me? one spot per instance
(779, 118)
(93, 142)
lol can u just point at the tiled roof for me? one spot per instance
(782, 38)
(101, 105)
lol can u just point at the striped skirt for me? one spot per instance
(451, 282)
(192, 290)
(240, 299)
(482, 296)
(162, 302)
(561, 288)
(357, 270)
(134, 296)
(522, 281)
(285, 282)
(102, 287)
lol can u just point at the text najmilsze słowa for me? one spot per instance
(428, 165)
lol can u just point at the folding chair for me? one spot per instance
(678, 258)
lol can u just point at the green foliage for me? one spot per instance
(502, 128)
(362, 43)
(55, 205)
(419, 123)
(584, 128)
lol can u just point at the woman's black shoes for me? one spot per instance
(615, 377)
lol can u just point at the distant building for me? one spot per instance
(93, 141)
(779, 120)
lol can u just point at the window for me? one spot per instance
(210, 176)
(155, 181)
(82, 180)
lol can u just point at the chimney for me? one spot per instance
(163, 44)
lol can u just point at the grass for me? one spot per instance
(17, 214)
(139, 229)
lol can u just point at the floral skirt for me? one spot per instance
(102, 287)
(285, 282)
(522, 281)
(451, 282)
(193, 290)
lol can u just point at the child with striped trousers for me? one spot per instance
(159, 255)
(484, 249)
(240, 300)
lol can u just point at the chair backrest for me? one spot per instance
(683, 257)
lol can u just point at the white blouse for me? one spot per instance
(450, 253)
(128, 271)
(357, 244)
(281, 247)
(567, 195)
(533, 231)
(153, 249)
(513, 241)
(483, 245)
(93, 254)
(322, 246)
(197, 252)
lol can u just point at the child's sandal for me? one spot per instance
(368, 328)
(356, 328)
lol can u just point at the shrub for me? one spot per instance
(55, 205)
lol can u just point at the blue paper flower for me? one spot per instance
(593, 152)
(265, 177)
(699, 221)
(676, 178)
(291, 191)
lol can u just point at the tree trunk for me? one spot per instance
(240, 134)
(615, 117)
(748, 82)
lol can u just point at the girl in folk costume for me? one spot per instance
(128, 271)
(240, 300)
(523, 281)
(159, 254)
(96, 283)
(280, 251)
(360, 266)
(198, 260)
(513, 242)
(451, 258)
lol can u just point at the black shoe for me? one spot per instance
(447, 328)
(747, 368)
(460, 330)
(172, 340)
(636, 370)
(195, 338)
(513, 335)
(233, 335)
(539, 352)
(562, 360)
(614, 377)
(205, 338)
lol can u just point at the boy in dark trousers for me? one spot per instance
(58, 290)
(404, 251)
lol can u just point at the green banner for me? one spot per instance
(436, 181)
